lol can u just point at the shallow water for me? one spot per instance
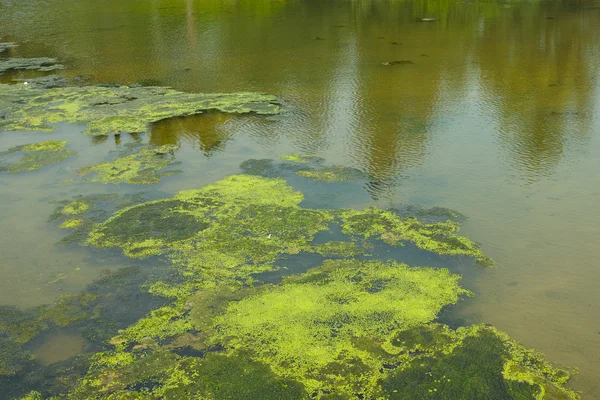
(497, 116)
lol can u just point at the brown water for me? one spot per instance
(497, 116)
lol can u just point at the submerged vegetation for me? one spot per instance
(135, 165)
(36, 156)
(112, 110)
(305, 166)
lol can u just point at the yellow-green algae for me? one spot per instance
(311, 327)
(83, 212)
(345, 330)
(112, 110)
(440, 237)
(348, 329)
(144, 166)
(299, 158)
(476, 362)
(36, 156)
(335, 173)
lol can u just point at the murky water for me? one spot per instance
(495, 112)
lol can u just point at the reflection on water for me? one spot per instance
(492, 109)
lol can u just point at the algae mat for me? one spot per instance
(112, 110)
(352, 327)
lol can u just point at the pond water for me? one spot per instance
(493, 109)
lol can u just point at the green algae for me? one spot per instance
(335, 173)
(472, 363)
(347, 329)
(36, 156)
(393, 229)
(113, 110)
(83, 212)
(300, 158)
(306, 166)
(12, 357)
(6, 45)
(305, 329)
(164, 375)
(134, 165)
(44, 82)
(20, 326)
(43, 64)
(232, 228)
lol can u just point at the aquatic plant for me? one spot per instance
(135, 165)
(36, 156)
(112, 110)
(43, 64)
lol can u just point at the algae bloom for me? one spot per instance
(36, 156)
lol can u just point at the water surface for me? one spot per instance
(495, 112)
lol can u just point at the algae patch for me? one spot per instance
(113, 110)
(134, 165)
(6, 45)
(351, 328)
(43, 64)
(36, 156)
(306, 166)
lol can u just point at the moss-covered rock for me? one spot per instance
(36, 156)
(43, 64)
(112, 110)
(135, 165)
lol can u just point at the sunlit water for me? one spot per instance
(497, 116)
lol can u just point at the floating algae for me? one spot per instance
(303, 165)
(335, 173)
(6, 45)
(43, 64)
(135, 165)
(113, 110)
(36, 156)
(83, 212)
(350, 328)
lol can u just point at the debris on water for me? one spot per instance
(396, 43)
(398, 62)
(426, 19)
